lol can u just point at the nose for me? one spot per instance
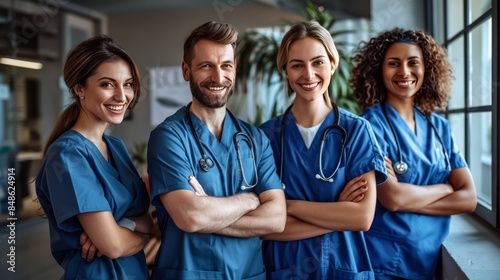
(119, 95)
(308, 73)
(404, 71)
(217, 76)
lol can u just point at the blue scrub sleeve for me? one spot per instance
(268, 176)
(72, 185)
(378, 129)
(168, 165)
(363, 152)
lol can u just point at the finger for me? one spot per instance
(91, 253)
(85, 248)
(349, 193)
(198, 189)
(360, 191)
(83, 238)
(347, 188)
(359, 198)
(388, 160)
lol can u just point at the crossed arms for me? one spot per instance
(240, 215)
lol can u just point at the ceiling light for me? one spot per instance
(21, 63)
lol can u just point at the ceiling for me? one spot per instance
(340, 8)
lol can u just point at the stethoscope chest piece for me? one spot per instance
(400, 167)
(206, 163)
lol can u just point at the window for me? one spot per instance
(469, 31)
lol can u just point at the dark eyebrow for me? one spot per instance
(397, 58)
(108, 78)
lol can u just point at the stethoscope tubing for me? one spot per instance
(335, 125)
(401, 166)
(206, 162)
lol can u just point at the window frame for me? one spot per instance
(437, 25)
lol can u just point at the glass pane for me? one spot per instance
(480, 156)
(438, 21)
(457, 123)
(455, 16)
(480, 41)
(456, 57)
(478, 8)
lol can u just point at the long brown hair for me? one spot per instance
(81, 63)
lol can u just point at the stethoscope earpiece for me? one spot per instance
(330, 180)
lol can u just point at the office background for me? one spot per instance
(153, 32)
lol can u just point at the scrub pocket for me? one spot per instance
(385, 250)
(185, 274)
(261, 276)
(292, 274)
(344, 274)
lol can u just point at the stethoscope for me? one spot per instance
(206, 163)
(401, 166)
(335, 125)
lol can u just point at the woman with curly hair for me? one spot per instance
(400, 78)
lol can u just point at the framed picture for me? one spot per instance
(169, 92)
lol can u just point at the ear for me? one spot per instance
(185, 71)
(333, 68)
(78, 89)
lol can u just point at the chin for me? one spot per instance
(116, 121)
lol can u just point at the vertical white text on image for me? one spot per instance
(11, 220)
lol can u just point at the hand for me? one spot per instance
(89, 251)
(354, 190)
(250, 199)
(198, 189)
(390, 170)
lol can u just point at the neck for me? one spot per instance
(406, 111)
(310, 113)
(213, 118)
(94, 132)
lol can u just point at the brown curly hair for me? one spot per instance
(367, 80)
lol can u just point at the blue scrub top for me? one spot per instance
(173, 155)
(401, 243)
(75, 178)
(335, 255)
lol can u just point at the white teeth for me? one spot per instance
(115, 108)
(309, 85)
(216, 88)
(407, 83)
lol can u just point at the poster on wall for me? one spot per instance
(169, 92)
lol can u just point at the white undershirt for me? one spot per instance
(308, 133)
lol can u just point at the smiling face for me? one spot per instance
(107, 93)
(403, 71)
(308, 69)
(211, 73)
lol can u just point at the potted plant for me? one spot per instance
(138, 156)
